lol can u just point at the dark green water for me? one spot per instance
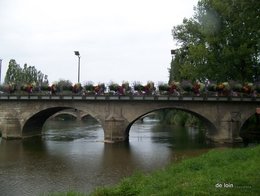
(72, 156)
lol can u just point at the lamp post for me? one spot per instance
(0, 70)
(77, 54)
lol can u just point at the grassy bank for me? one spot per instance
(218, 172)
(225, 172)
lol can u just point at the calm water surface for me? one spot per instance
(72, 156)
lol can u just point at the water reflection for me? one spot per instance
(72, 156)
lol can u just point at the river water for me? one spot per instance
(71, 156)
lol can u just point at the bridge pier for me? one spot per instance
(115, 129)
(228, 130)
(228, 133)
(11, 128)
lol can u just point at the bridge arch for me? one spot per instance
(208, 124)
(245, 119)
(250, 126)
(33, 124)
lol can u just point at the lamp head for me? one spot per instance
(76, 53)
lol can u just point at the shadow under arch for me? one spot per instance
(208, 124)
(250, 129)
(33, 125)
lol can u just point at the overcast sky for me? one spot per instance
(119, 40)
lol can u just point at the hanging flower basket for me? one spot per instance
(247, 88)
(9, 88)
(149, 88)
(53, 89)
(100, 89)
(196, 88)
(27, 88)
(126, 88)
(174, 88)
(77, 88)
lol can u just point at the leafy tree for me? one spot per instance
(13, 74)
(26, 75)
(220, 42)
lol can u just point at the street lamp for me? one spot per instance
(0, 70)
(77, 54)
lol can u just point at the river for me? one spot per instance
(71, 155)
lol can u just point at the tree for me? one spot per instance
(26, 75)
(13, 74)
(220, 42)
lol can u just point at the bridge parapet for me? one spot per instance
(127, 98)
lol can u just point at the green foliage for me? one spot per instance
(220, 42)
(198, 176)
(13, 74)
(178, 117)
(26, 75)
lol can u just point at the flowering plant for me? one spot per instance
(247, 88)
(126, 88)
(28, 88)
(149, 88)
(9, 88)
(100, 89)
(222, 86)
(174, 87)
(196, 88)
(77, 88)
(53, 89)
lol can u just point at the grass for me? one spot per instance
(218, 172)
(209, 174)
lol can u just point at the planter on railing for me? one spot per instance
(183, 88)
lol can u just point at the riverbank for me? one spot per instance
(218, 172)
(223, 172)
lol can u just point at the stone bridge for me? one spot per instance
(24, 116)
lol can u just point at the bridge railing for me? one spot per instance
(128, 98)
